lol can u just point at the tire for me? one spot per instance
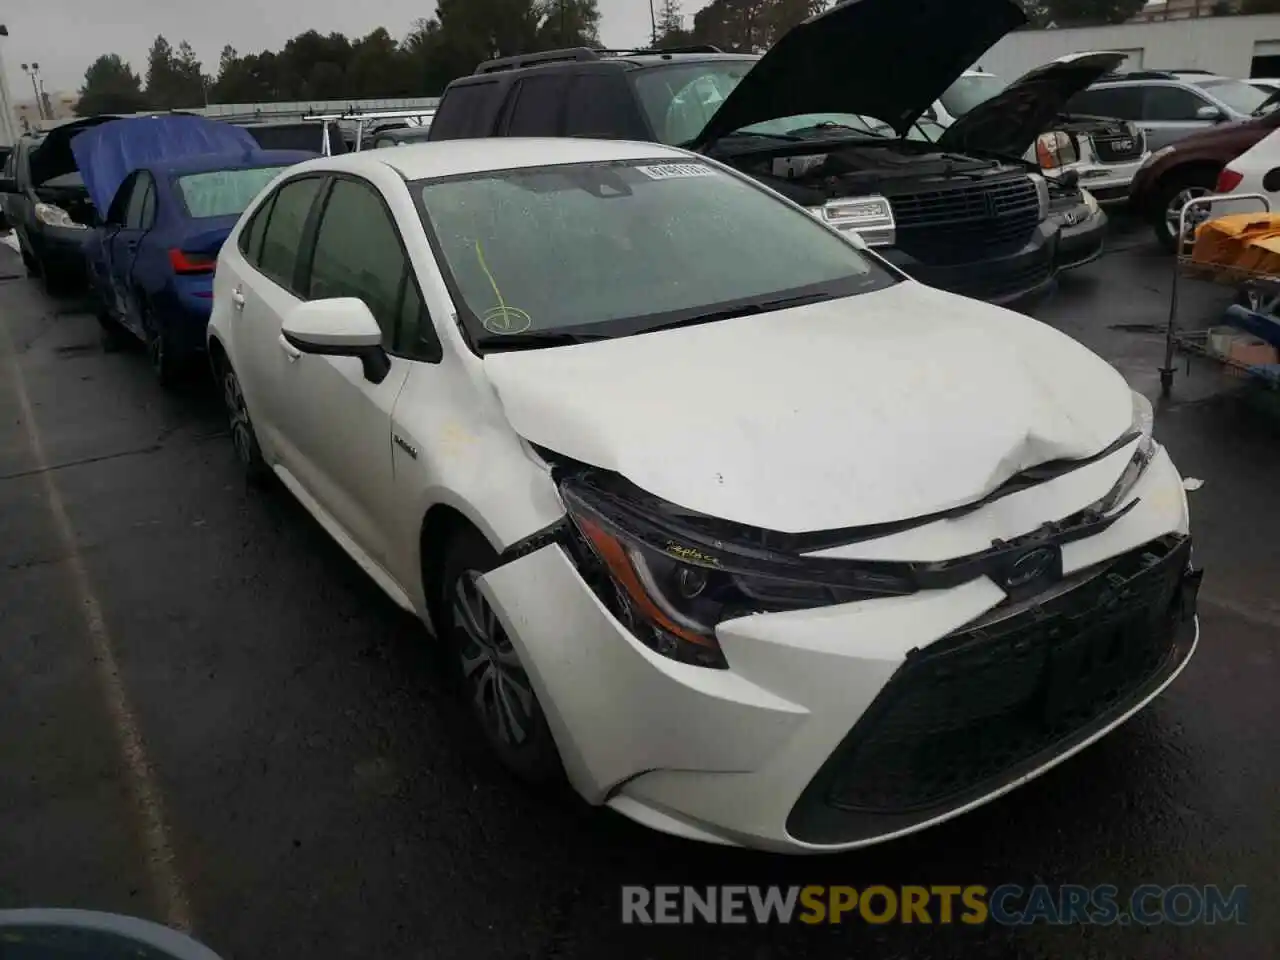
(243, 437)
(498, 692)
(1178, 188)
(165, 364)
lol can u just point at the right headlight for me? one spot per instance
(54, 216)
(672, 593)
(871, 218)
(1156, 155)
(1055, 150)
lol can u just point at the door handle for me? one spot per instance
(290, 351)
(237, 299)
(131, 244)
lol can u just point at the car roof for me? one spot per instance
(447, 158)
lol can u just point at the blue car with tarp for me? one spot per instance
(169, 190)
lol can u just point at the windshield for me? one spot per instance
(818, 123)
(967, 92)
(610, 249)
(223, 193)
(679, 100)
(1240, 97)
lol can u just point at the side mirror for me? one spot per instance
(1209, 112)
(8, 185)
(338, 327)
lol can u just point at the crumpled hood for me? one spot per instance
(882, 407)
(1009, 122)
(888, 59)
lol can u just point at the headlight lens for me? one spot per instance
(672, 595)
(1144, 424)
(1156, 155)
(1056, 149)
(55, 216)
(871, 218)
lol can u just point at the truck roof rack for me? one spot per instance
(567, 55)
(583, 54)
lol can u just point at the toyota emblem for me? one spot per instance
(1029, 567)
(1124, 144)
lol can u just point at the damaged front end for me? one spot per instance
(673, 575)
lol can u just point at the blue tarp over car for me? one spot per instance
(108, 153)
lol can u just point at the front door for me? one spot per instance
(338, 422)
(138, 198)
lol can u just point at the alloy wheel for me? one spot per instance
(238, 414)
(497, 683)
(1173, 212)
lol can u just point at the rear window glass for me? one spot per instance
(223, 193)
(463, 112)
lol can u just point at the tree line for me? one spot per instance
(313, 66)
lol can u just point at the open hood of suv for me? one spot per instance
(1010, 121)
(888, 59)
(53, 156)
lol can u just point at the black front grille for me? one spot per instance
(994, 285)
(998, 699)
(959, 224)
(1112, 148)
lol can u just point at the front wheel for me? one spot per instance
(1180, 189)
(496, 685)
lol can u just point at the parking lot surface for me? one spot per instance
(211, 716)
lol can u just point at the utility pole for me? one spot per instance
(29, 69)
(44, 97)
(8, 131)
(564, 32)
(653, 26)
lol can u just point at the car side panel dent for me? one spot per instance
(470, 460)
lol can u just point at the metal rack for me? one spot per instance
(359, 118)
(1263, 290)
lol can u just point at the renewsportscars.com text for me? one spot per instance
(1008, 904)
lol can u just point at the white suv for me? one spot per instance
(1105, 154)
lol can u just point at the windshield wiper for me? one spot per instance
(534, 339)
(742, 310)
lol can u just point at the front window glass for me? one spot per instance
(679, 100)
(610, 249)
(1240, 97)
(223, 193)
(967, 92)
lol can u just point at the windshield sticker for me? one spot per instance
(502, 319)
(676, 171)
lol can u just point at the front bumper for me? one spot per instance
(1082, 240)
(1108, 182)
(1003, 277)
(60, 249)
(838, 727)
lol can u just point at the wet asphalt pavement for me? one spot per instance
(302, 787)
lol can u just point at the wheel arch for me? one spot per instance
(440, 524)
(1187, 169)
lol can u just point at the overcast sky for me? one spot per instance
(65, 36)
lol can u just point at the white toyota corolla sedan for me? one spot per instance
(753, 538)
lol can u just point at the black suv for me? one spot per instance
(828, 117)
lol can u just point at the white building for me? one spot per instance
(1231, 46)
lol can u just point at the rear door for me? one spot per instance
(263, 286)
(123, 245)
